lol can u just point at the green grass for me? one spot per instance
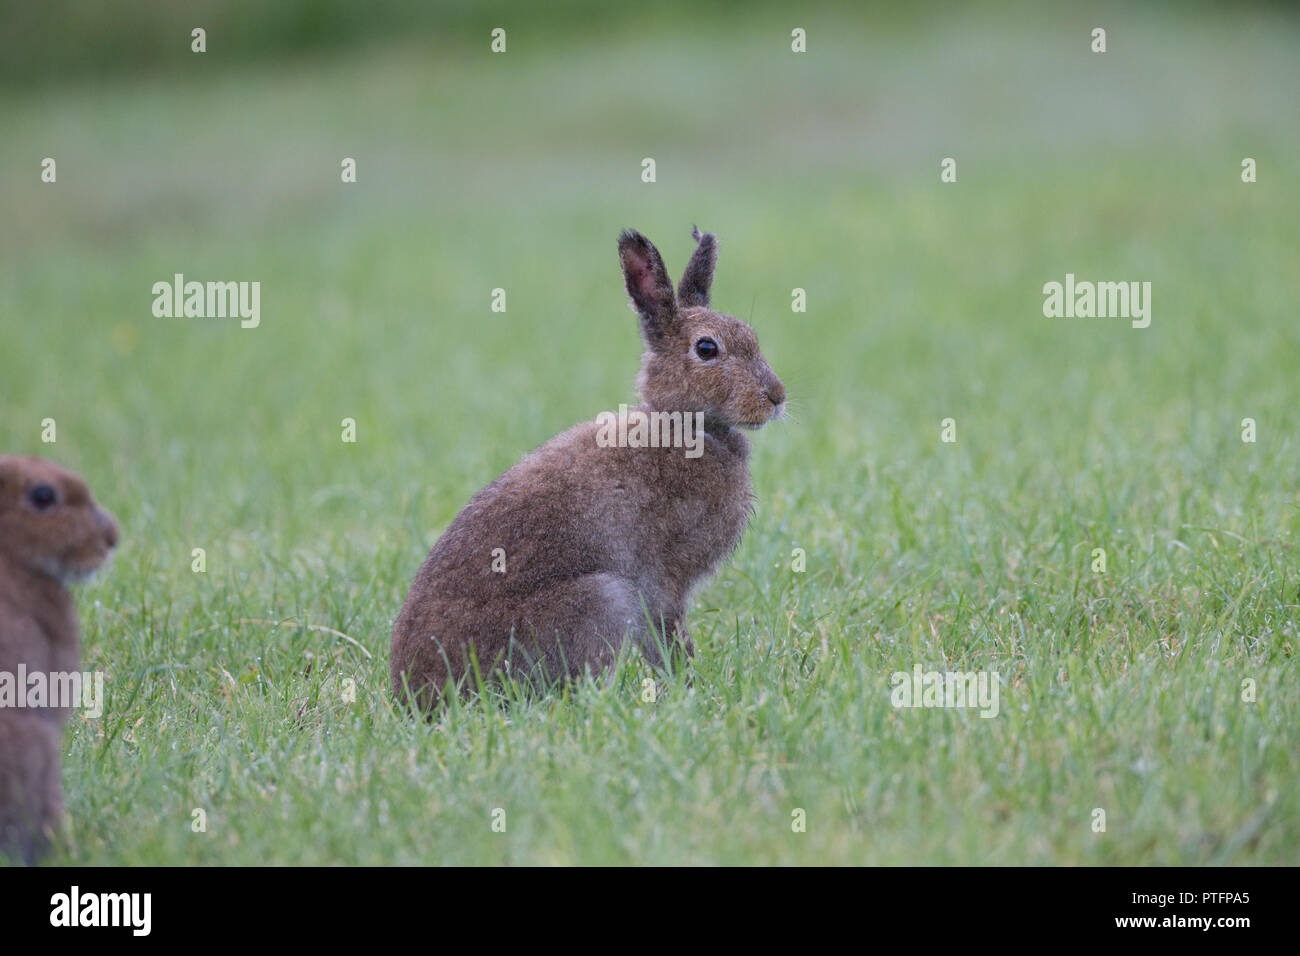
(1120, 691)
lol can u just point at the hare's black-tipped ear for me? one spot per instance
(698, 277)
(648, 285)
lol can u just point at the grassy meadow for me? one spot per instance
(228, 690)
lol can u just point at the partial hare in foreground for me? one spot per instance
(602, 533)
(51, 533)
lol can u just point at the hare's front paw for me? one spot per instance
(683, 635)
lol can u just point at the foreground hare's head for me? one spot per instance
(49, 521)
(696, 360)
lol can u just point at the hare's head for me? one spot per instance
(696, 360)
(49, 521)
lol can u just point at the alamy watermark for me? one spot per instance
(1101, 300)
(52, 689)
(637, 428)
(132, 911)
(208, 300)
(976, 690)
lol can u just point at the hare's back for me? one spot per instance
(573, 507)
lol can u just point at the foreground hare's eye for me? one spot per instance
(42, 497)
(706, 348)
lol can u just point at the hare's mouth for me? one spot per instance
(778, 411)
(78, 572)
(80, 575)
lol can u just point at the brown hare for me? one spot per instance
(588, 540)
(51, 533)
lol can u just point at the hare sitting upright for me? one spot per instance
(602, 533)
(51, 533)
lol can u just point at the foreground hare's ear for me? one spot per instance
(648, 285)
(694, 287)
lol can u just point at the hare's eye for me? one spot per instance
(42, 496)
(706, 348)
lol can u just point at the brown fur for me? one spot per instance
(42, 547)
(601, 543)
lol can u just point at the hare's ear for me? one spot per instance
(648, 285)
(694, 287)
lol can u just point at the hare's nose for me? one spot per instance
(108, 526)
(775, 393)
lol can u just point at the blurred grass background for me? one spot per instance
(818, 171)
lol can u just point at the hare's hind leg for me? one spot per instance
(579, 623)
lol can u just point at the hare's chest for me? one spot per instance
(708, 505)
